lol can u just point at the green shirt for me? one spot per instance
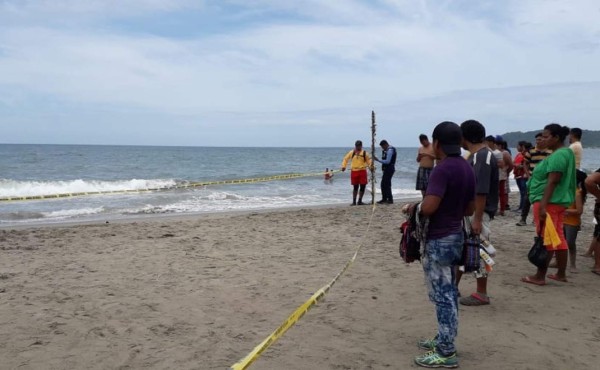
(563, 161)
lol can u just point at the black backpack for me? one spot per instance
(364, 155)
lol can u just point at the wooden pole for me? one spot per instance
(373, 129)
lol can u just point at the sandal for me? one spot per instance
(475, 299)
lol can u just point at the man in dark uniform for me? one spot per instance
(388, 165)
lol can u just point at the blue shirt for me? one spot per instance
(389, 156)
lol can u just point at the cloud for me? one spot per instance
(293, 65)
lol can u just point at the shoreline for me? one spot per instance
(156, 217)
(176, 216)
(201, 292)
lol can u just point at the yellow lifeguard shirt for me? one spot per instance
(360, 161)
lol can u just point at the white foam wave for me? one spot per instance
(226, 201)
(68, 213)
(406, 193)
(221, 195)
(13, 188)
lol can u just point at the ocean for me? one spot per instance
(119, 177)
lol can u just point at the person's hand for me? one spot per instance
(476, 226)
(407, 209)
(343, 169)
(419, 157)
(542, 216)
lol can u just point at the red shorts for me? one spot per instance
(557, 213)
(358, 177)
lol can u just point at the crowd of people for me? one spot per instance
(463, 176)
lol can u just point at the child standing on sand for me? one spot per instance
(572, 219)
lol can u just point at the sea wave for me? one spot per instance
(68, 213)
(15, 188)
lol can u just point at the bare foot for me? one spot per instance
(590, 255)
(557, 278)
(532, 280)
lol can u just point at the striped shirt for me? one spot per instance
(535, 156)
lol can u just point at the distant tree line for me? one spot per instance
(589, 138)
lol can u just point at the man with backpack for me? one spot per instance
(358, 171)
(450, 196)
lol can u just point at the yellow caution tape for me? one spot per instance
(182, 186)
(300, 311)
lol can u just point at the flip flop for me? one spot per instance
(556, 278)
(474, 299)
(528, 280)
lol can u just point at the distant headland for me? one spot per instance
(589, 138)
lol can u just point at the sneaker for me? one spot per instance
(427, 344)
(360, 203)
(522, 223)
(382, 201)
(433, 359)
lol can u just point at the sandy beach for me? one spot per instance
(201, 292)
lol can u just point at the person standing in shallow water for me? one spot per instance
(551, 190)
(360, 161)
(450, 196)
(388, 165)
(328, 176)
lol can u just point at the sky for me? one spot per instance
(291, 73)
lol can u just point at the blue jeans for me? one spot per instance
(522, 184)
(441, 257)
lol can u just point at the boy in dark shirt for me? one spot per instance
(449, 197)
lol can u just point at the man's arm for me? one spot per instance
(479, 208)
(430, 205)
(591, 185)
(388, 158)
(508, 162)
(345, 160)
(470, 208)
